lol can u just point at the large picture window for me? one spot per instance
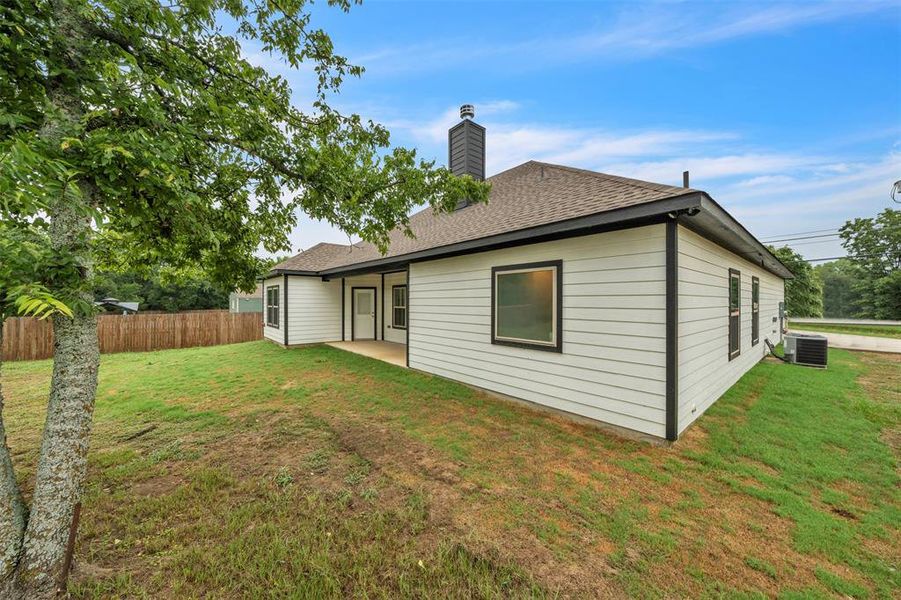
(526, 305)
(734, 313)
(399, 306)
(755, 310)
(272, 306)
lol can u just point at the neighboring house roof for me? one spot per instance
(257, 294)
(529, 198)
(113, 303)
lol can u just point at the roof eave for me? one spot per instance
(706, 217)
(277, 272)
(718, 225)
(567, 228)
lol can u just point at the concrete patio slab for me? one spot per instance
(396, 354)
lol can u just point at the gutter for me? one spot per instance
(708, 219)
(761, 255)
(614, 219)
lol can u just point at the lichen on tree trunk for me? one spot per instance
(64, 448)
(12, 509)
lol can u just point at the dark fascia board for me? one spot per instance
(711, 221)
(580, 226)
(730, 234)
(278, 272)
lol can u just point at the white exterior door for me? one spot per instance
(364, 314)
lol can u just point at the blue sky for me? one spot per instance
(788, 114)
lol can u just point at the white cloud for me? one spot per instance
(764, 180)
(511, 142)
(635, 32)
(679, 26)
(813, 199)
(708, 168)
(765, 189)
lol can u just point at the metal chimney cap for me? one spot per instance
(467, 111)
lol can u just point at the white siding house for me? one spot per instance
(612, 367)
(631, 303)
(705, 369)
(313, 310)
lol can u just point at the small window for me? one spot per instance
(272, 306)
(734, 313)
(755, 310)
(399, 306)
(526, 305)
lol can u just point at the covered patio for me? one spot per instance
(390, 352)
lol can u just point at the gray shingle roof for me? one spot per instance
(529, 195)
(256, 294)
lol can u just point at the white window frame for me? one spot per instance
(556, 343)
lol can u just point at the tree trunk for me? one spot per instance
(12, 509)
(63, 461)
(64, 448)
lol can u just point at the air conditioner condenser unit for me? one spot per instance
(806, 349)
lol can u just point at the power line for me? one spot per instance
(793, 244)
(826, 259)
(886, 229)
(806, 237)
(837, 257)
(805, 232)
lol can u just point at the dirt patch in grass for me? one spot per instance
(459, 509)
(350, 465)
(157, 486)
(882, 380)
(588, 552)
(883, 377)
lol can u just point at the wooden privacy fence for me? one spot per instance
(31, 339)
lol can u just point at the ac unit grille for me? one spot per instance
(811, 351)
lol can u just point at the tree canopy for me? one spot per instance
(180, 149)
(840, 298)
(160, 291)
(874, 247)
(135, 134)
(804, 293)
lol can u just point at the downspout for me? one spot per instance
(672, 328)
(286, 309)
(343, 309)
(408, 315)
(383, 307)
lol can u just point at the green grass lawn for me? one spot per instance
(317, 473)
(888, 331)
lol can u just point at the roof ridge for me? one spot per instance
(513, 168)
(639, 183)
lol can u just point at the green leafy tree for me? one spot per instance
(142, 120)
(804, 293)
(840, 296)
(184, 291)
(874, 246)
